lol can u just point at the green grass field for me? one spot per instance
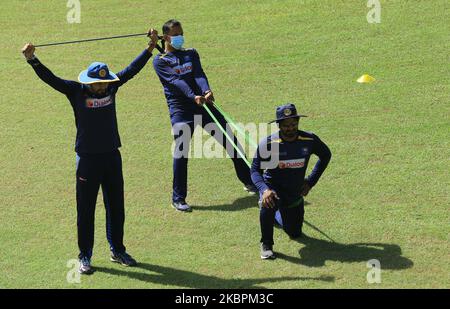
(385, 194)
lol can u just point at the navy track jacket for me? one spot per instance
(95, 117)
(182, 77)
(289, 163)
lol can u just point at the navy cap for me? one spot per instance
(97, 72)
(286, 111)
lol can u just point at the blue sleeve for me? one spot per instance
(66, 87)
(256, 173)
(323, 152)
(135, 67)
(168, 75)
(200, 77)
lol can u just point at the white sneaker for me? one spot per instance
(266, 252)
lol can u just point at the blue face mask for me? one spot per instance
(177, 41)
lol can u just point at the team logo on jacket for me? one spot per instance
(96, 103)
(183, 68)
(296, 163)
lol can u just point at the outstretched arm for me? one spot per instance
(64, 86)
(136, 66)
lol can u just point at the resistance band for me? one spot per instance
(226, 135)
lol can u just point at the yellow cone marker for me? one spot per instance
(365, 79)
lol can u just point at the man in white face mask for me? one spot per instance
(186, 89)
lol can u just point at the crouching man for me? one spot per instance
(278, 171)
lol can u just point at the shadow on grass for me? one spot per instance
(176, 277)
(317, 251)
(250, 201)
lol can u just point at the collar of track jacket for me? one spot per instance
(285, 112)
(97, 72)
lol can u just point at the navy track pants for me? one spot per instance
(93, 171)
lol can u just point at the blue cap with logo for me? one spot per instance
(97, 72)
(285, 112)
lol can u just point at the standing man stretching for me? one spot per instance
(98, 159)
(283, 185)
(186, 89)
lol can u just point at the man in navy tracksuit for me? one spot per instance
(186, 89)
(97, 147)
(278, 171)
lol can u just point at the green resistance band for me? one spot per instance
(245, 135)
(226, 135)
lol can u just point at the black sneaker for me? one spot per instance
(182, 206)
(251, 189)
(266, 252)
(123, 258)
(85, 266)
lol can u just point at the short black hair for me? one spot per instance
(169, 25)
